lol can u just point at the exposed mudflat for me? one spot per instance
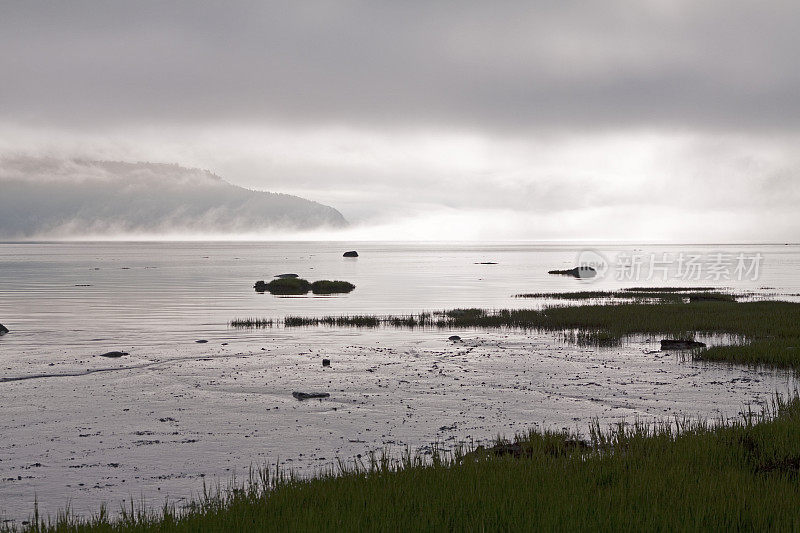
(83, 429)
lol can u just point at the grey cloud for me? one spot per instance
(604, 117)
(497, 66)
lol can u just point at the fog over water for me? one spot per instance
(159, 158)
(50, 198)
(603, 120)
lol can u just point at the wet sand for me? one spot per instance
(82, 429)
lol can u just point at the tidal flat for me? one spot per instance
(151, 427)
(759, 333)
(81, 430)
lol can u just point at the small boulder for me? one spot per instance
(680, 344)
(260, 286)
(310, 395)
(577, 272)
(113, 355)
(201, 341)
(3, 329)
(351, 253)
(326, 362)
(287, 276)
(454, 338)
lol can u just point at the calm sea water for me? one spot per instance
(58, 295)
(84, 429)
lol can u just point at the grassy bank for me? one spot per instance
(769, 330)
(742, 475)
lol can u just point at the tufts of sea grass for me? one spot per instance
(671, 289)
(769, 331)
(362, 321)
(657, 295)
(251, 323)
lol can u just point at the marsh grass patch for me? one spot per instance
(664, 475)
(769, 330)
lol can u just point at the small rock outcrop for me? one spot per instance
(310, 395)
(577, 272)
(326, 362)
(454, 338)
(680, 344)
(201, 341)
(327, 286)
(3, 329)
(284, 286)
(298, 286)
(351, 253)
(113, 355)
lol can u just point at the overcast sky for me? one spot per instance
(655, 120)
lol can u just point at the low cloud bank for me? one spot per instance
(51, 198)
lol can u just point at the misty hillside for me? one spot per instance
(62, 198)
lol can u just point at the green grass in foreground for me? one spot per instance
(741, 475)
(769, 330)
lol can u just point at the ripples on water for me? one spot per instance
(138, 291)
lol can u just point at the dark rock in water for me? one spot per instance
(113, 354)
(3, 329)
(286, 286)
(486, 263)
(351, 253)
(326, 286)
(201, 341)
(326, 362)
(310, 395)
(454, 338)
(577, 272)
(680, 344)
